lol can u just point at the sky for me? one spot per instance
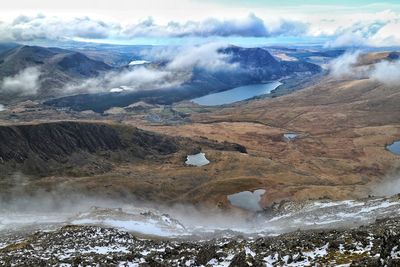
(332, 23)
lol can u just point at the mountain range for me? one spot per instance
(58, 68)
(257, 65)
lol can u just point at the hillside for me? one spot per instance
(55, 69)
(343, 128)
(88, 157)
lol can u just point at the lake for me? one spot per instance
(236, 94)
(197, 160)
(290, 136)
(394, 148)
(247, 200)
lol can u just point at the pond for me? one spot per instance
(394, 148)
(138, 62)
(290, 136)
(236, 94)
(247, 200)
(197, 160)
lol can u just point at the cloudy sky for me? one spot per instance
(333, 23)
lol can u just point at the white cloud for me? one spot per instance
(345, 65)
(206, 56)
(249, 26)
(145, 78)
(388, 35)
(139, 78)
(41, 27)
(346, 24)
(178, 69)
(26, 82)
(387, 72)
(379, 30)
(358, 29)
(348, 39)
(24, 28)
(388, 187)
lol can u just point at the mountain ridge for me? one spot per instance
(56, 68)
(257, 65)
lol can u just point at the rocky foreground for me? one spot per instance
(377, 244)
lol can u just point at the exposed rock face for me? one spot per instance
(55, 141)
(156, 142)
(43, 148)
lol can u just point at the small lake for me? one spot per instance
(197, 160)
(290, 136)
(138, 62)
(394, 148)
(236, 94)
(247, 200)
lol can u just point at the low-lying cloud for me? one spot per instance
(206, 56)
(24, 203)
(387, 72)
(177, 69)
(389, 187)
(24, 83)
(139, 78)
(348, 66)
(171, 67)
(345, 65)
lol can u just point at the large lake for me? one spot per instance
(394, 148)
(236, 94)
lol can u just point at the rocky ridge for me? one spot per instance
(373, 245)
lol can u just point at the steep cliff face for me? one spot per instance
(55, 140)
(76, 147)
